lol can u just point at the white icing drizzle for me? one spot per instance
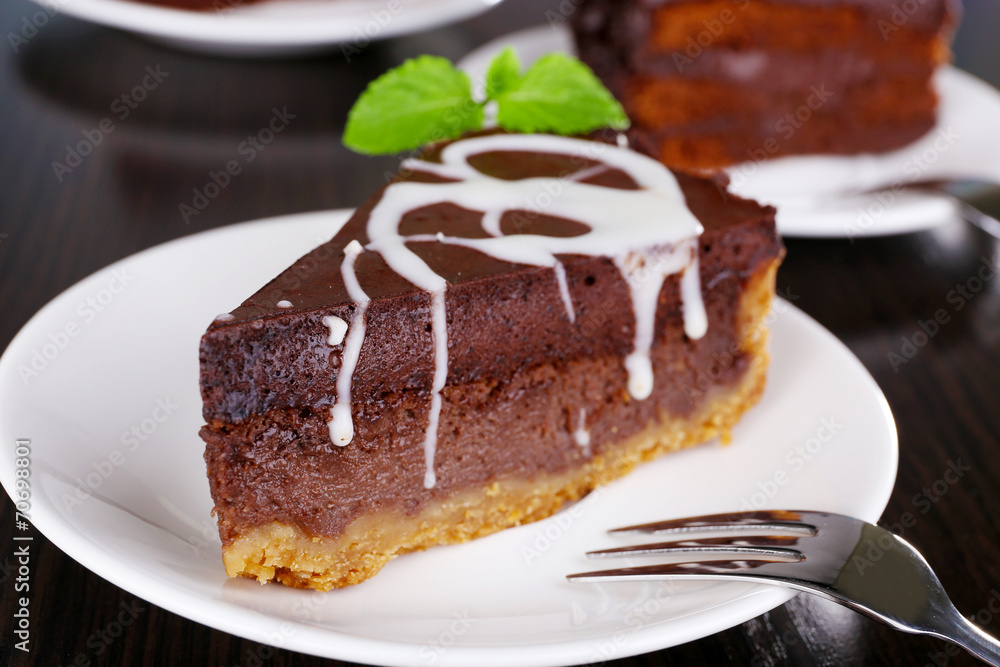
(439, 319)
(624, 225)
(589, 172)
(383, 229)
(695, 317)
(284, 303)
(581, 435)
(341, 421)
(224, 317)
(564, 290)
(645, 273)
(338, 329)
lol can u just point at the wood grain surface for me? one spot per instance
(56, 228)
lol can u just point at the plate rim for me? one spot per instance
(252, 32)
(244, 622)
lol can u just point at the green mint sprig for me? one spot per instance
(428, 99)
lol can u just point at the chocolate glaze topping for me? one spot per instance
(501, 316)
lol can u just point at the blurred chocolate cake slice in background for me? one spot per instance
(711, 83)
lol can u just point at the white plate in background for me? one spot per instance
(275, 27)
(103, 381)
(827, 195)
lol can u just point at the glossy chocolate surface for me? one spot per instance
(501, 316)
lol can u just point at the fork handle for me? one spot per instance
(969, 636)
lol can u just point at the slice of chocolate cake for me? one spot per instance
(712, 83)
(513, 321)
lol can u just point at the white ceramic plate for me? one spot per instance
(104, 383)
(280, 27)
(829, 196)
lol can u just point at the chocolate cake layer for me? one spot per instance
(519, 426)
(501, 316)
(706, 81)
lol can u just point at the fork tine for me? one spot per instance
(901, 590)
(735, 522)
(723, 569)
(759, 545)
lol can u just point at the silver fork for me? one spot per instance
(849, 561)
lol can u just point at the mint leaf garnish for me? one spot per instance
(424, 100)
(428, 100)
(504, 74)
(559, 94)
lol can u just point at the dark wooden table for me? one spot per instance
(57, 226)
